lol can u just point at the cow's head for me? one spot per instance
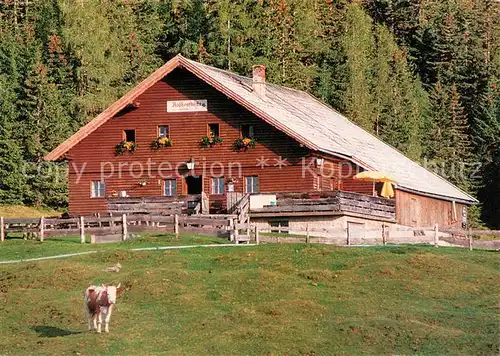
(111, 290)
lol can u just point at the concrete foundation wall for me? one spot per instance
(340, 229)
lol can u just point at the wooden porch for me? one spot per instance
(263, 205)
(326, 203)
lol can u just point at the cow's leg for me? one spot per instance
(99, 321)
(89, 316)
(87, 311)
(107, 318)
(96, 322)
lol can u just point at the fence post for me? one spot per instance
(384, 234)
(124, 227)
(42, 228)
(236, 233)
(231, 229)
(307, 233)
(2, 229)
(469, 235)
(176, 225)
(82, 230)
(256, 229)
(436, 235)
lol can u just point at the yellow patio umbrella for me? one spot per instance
(387, 191)
(377, 176)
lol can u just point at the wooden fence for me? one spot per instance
(366, 236)
(114, 228)
(384, 235)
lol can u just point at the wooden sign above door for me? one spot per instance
(187, 105)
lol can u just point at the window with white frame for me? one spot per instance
(252, 184)
(277, 225)
(170, 187)
(97, 189)
(163, 131)
(218, 185)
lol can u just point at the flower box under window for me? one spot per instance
(125, 146)
(244, 143)
(161, 142)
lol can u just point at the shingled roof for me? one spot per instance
(302, 117)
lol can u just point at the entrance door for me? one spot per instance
(193, 185)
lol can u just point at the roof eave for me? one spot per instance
(472, 200)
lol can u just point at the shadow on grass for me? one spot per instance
(51, 331)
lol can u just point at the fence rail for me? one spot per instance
(384, 235)
(229, 226)
(117, 227)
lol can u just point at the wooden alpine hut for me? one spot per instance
(198, 137)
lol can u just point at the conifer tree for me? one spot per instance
(487, 164)
(400, 101)
(450, 148)
(332, 68)
(98, 60)
(13, 183)
(358, 43)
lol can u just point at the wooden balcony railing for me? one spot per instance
(180, 204)
(330, 202)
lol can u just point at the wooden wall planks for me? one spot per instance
(419, 211)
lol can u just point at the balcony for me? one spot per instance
(323, 203)
(179, 204)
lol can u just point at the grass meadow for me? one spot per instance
(22, 211)
(266, 299)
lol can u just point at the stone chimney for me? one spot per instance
(259, 80)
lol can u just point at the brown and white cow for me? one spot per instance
(99, 301)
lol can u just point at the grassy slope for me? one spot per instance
(21, 211)
(17, 248)
(271, 299)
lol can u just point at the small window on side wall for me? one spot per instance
(247, 131)
(163, 131)
(97, 189)
(213, 130)
(170, 187)
(129, 135)
(252, 184)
